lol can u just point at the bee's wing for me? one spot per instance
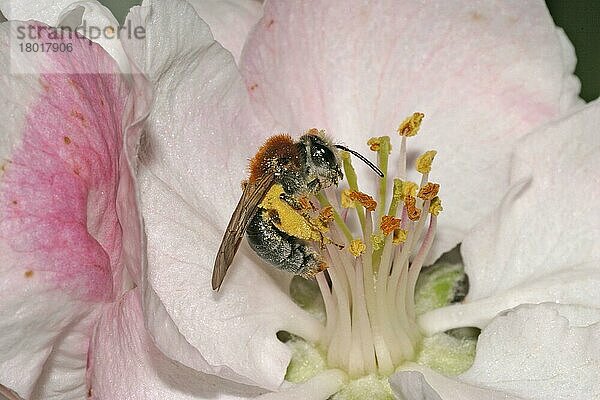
(252, 195)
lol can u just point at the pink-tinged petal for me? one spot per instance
(547, 351)
(60, 174)
(230, 21)
(541, 244)
(484, 73)
(72, 14)
(124, 363)
(199, 136)
(416, 382)
(61, 239)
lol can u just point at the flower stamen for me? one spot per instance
(429, 191)
(389, 224)
(411, 125)
(357, 247)
(368, 290)
(413, 212)
(363, 199)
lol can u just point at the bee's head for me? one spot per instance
(322, 163)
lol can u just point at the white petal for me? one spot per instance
(547, 351)
(550, 224)
(576, 285)
(484, 73)
(63, 376)
(416, 382)
(46, 11)
(27, 341)
(199, 135)
(320, 387)
(230, 21)
(99, 25)
(231, 333)
(546, 228)
(8, 393)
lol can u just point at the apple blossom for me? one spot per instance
(270, 65)
(485, 75)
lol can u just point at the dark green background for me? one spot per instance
(581, 21)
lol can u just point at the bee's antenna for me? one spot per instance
(362, 158)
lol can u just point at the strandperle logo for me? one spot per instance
(38, 43)
(91, 32)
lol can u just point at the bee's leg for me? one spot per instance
(291, 200)
(280, 249)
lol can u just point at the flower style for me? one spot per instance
(141, 313)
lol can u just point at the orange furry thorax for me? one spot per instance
(275, 148)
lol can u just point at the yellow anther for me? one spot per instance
(389, 224)
(320, 267)
(412, 211)
(436, 206)
(378, 240)
(364, 199)
(424, 161)
(410, 126)
(374, 143)
(380, 143)
(429, 191)
(357, 247)
(399, 236)
(305, 204)
(344, 155)
(408, 189)
(347, 202)
(326, 215)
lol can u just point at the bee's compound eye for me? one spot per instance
(323, 155)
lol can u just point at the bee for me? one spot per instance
(290, 171)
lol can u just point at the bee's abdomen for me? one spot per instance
(280, 249)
